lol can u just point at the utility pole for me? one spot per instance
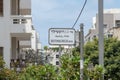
(59, 54)
(101, 34)
(81, 50)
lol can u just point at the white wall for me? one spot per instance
(33, 40)
(5, 40)
(7, 27)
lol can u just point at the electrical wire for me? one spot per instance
(79, 14)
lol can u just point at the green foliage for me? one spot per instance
(45, 47)
(5, 73)
(1, 62)
(111, 56)
(91, 51)
(70, 67)
(56, 49)
(112, 59)
(46, 72)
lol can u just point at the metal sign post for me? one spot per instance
(81, 51)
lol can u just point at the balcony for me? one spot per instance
(21, 24)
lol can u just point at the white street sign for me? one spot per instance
(61, 36)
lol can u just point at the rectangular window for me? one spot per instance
(94, 36)
(20, 7)
(1, 51)
(15, 7)
(117, 22)
(23, 21)
(57, 62)
(16, 21)
(1, 7)
(19, 21)
(105, 25)
(57, 56)
(110, 35)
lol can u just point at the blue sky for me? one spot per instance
(63, 13)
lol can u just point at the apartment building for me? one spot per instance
(16, 31)
(111, 25)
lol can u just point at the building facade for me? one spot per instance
(16, 31)
(111, 23)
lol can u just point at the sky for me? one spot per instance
(63, 13)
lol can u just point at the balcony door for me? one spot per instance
(20, 7)
(15, 7)
(1, 51)
(1, 7)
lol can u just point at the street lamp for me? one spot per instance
(101, 34)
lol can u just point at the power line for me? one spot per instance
(79, 14)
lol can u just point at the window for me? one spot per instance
(1, 7)
(117, 22)
(57, 62)
(1, 51)
(94, 36)
(57, 56)
(105, 25)
(18, 7)
(88, 38)
(15, 7)
(110, 35)
(23, 21)
(16, 21)
(19, 21)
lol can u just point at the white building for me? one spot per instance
(16, 28)
(53, 58)
(111, 23)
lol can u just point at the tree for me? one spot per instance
(56, 48)
(1, 62)
(111, 56)
(69, 69)
(46, 72)
(5, 73)
(91, 51)
(46, 48)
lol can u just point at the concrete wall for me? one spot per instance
(6, 28)
(110, 17)
(33, 40)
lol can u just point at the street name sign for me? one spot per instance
(61, 36)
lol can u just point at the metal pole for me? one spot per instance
(101, 33)
(81, 50)
(59, 54)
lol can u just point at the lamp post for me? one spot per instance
(101, 34)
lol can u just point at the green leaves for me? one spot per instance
(111, 56)
(39, 73)
(1, 62)
(70, 65)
